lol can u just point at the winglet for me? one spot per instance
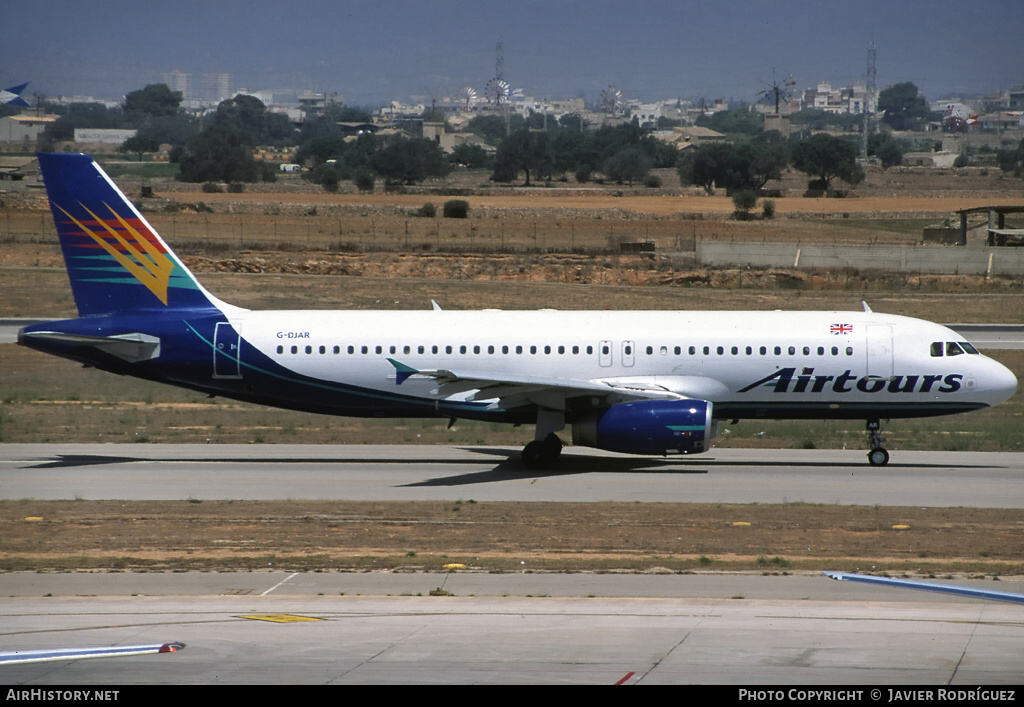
(402, 371)
(436, 306)
(867, 309)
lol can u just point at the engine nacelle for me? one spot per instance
(648, 427)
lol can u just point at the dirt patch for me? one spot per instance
(427, 535)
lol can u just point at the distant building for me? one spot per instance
(24, 128)
(103, 136)
(850, 99)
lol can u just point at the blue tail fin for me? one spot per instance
(116, 261)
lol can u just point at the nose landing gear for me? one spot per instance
(878, 456)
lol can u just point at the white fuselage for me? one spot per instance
(770, 364)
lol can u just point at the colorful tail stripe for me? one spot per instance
(115, 259)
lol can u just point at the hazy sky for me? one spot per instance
(374, 51)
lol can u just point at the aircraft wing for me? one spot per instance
(514, 390)
(55, 654)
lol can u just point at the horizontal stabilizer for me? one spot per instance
(127, 347)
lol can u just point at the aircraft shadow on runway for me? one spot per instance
(508, 468)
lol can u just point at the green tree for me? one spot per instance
(523, 151)
(886, 148)
(140, 144)
(825, 158)
(472, 156)
(903, 109)
(627, 165)
(222, 152)
(745, 121)
(407, 161)
(249, 115)
(156, 99)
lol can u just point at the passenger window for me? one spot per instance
(448, 349)
(490, 349)
(792, 351)
(419, 349)
(821, 350)
(378, 349)
(476, 349)
(519, 349)
(295, 349)
(778, 350)
(323, 349)
(280, 349)
(590, 350)
(462, 349)
(707, 350)
(953, 349)
(533, 349)
(309, 349)
(936, 348)
(678, 350)
(720, 350)
(849, 351)
(763, 350)
(561, 349)
(575, 349)
(547, 349)
(692, 350)
(807, 351)
(835, 350)
(650, 350)
(366, 349)
(504, 349)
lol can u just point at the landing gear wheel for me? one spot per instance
(878, 457)
(537, 455)
(553, 446)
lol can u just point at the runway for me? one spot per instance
(394, 473)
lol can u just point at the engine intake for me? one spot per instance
(648, 427)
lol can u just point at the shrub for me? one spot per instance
(364, 181)
(236, 187)
(583, 175)
(744, 200)
(212, 188)
(652, 181)
(768, 208)
(428, 210)
(456, 208)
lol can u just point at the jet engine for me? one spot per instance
(648, 427)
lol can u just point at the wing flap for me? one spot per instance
(514, 390)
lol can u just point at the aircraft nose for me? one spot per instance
(1002, 384)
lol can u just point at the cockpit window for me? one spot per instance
(936, 348)
(969, 348)
(953, 348)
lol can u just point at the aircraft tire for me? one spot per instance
(878, 457)
(538, 456)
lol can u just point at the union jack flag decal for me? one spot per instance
(838, 329)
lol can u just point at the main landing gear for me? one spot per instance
(546, 447)
(542, 453)
(878, 456)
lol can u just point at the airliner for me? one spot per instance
(639, 382)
